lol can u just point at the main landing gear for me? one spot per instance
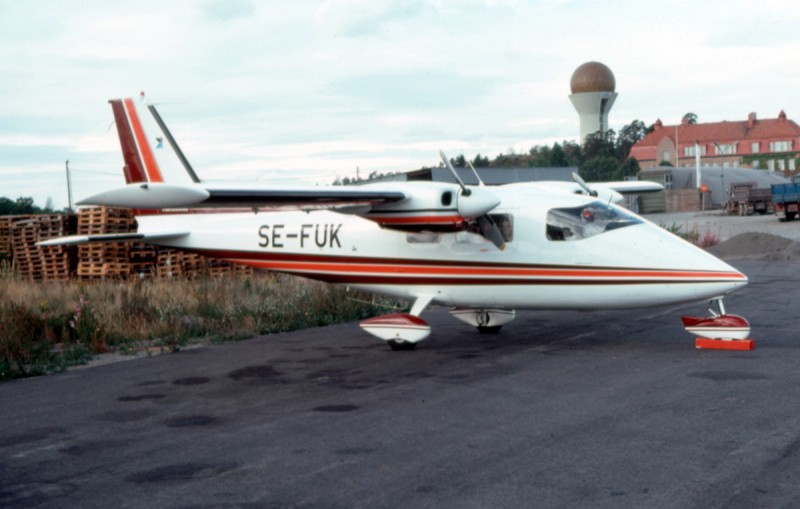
(720, 330)
(487, 321)
(402, 331)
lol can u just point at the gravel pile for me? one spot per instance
(757, 246)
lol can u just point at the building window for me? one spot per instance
(792, 164)
(725, 149)
(665, 156)
(754, 147)
(780, 146)
(755, 163)
(689, 151)
(782, 164)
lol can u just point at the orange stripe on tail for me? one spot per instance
(150, 164)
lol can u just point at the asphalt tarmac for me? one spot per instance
(561, 409)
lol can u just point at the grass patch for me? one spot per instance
(45, 327)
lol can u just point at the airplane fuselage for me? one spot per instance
(561, 252)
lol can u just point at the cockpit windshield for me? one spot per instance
(576, 223)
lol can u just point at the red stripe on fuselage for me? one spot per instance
(367, 270)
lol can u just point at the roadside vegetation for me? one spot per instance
(48, 326)
(705, 240)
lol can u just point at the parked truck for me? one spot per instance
(786, 199)
(747, 199)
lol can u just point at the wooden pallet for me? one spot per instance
(169, 264)
(100, 220)
(93, 271)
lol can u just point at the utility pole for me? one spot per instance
(69, 189)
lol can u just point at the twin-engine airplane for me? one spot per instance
(484, 252)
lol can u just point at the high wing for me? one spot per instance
(416, 206)
(154, 195)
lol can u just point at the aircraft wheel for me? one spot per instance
(401, 345)
(489, 330)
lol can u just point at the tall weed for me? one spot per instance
(45, 327)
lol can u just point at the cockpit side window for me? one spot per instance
(576, 223)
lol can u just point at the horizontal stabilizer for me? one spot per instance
(111, 237)
(149, 196)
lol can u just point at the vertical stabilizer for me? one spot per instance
(140, 163)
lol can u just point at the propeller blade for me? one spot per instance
(464, 190)
(577, 178)
(490, 231)
(480, 182)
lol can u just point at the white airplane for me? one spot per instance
(483, 251)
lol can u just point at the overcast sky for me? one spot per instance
(305, 91)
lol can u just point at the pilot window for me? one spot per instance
(576, 223)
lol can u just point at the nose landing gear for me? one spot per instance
(719, 331)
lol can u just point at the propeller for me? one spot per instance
(476, 203)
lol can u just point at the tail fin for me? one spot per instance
(140, 163)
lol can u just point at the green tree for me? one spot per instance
(459, 162)
(628, 136)
(23, 205)
(480, 162)
(599, 144)
(628, 168)
(690, 118)
(665, 163)
(557, 158)
(539, 156)
(599, 169)
(573, 152)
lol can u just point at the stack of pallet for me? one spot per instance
(36, 263)
(143, 259)
(5, 238)
(108, 260)
(169, 264)
(221, 268)
(58, 262)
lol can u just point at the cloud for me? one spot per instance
(363, 17)
(226, 10)
(420, 89)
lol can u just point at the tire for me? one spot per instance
(489, 330)
(401, 346)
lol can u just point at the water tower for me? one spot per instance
(592, 86)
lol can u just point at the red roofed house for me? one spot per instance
(772, 143)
